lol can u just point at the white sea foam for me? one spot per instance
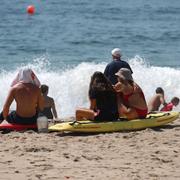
(69, 87)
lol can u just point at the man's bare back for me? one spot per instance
(155, 102)
(28, 100)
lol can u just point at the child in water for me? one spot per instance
(170, 105)
(49, 105)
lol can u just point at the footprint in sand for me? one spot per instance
(38, 149)
(66, 155)
(76, 159)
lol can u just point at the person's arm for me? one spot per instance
(162, 100)
(92, 104)
(8, 103)
(54, 108)
(123, 109)
(40, 103)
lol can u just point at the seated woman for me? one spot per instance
(103, 101)
(131, 100)
(49, 106)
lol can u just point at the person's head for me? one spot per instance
(44, 89)
(116, 54)
(124, 78)
(175, 101)
(159, 90)
(99, 82)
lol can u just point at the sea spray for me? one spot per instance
(69, 86)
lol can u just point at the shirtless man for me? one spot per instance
(156, 100)
(27, 95)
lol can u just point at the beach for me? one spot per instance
(145, 154)
(64, 43)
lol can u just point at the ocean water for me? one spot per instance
(65, 41)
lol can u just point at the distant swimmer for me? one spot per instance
(115, 65)
(131, 100)
(157, 100)
(27, 95)
(49, 105)
(103, 100)
(170, 105)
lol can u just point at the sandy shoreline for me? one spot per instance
(145, 154)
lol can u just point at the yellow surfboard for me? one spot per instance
(152, 120)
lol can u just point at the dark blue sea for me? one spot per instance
(65, 41)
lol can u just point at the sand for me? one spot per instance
(146, 154)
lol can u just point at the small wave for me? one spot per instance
(69, 86)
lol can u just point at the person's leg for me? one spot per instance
(128, 113)
(84, 114)
(26, 120)
(1, 117)
(11, 118)
(131, 114)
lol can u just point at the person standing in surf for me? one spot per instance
(27, 95)
(114, 66)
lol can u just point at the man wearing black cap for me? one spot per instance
(114, 66)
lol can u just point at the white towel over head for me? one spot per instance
(26, 76)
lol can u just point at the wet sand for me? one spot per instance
(146, 154)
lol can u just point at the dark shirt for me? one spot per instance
(113, 67)
(106, 103)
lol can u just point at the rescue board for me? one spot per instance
(16, 127)
(152, 120)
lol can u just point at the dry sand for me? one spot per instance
(146, 154)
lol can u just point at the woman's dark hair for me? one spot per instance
(44, 88)
(100, 83)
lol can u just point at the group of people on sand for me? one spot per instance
(112, 94)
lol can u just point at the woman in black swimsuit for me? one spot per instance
(103, 102)
(49, 107)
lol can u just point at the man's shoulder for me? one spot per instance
(25, 86)
(50, 99)
(119, 62)
(124, 62)
(159, 95)
(115, 62)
